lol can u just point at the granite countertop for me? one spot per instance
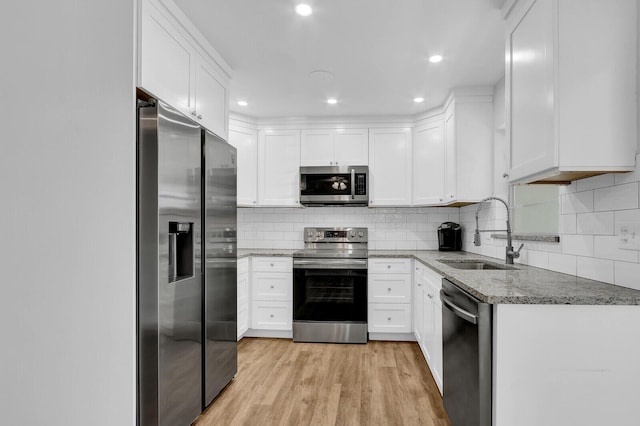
(523, 285)
(265, 252)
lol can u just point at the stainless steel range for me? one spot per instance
(330, 286)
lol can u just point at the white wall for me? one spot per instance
(67, 179)
(389, 228)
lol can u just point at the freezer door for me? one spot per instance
(169, 267)
(220, 273)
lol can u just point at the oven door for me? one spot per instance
(330, 290)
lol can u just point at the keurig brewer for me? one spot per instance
(449, 237)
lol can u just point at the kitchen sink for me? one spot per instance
(475, 264)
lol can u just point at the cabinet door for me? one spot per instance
(428, 318)
(429, 164)
(351, 147)
(316, 148)
(279, 168)
(212, 98)
(530, 81)
(450, 182)
(418, 308)
(246, 142)
(390, 167)
(167, 61)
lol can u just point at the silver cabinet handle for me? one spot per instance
(199, 116)
(388, 318)
(193, 113)
(271, 316)
(388, 266)
(430, 296)
(272, 265)
(271, 286)
(389, 289)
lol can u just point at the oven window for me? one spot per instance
(325, 184)
(330, 295)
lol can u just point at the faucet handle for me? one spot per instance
(516, 253)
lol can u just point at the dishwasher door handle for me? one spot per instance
(465, 315)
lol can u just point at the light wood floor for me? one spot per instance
(284, 383)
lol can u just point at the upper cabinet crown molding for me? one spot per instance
(570, 89)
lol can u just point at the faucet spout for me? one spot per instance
(510, 252)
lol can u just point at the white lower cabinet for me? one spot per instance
(271, 293)
(271, 315)
(428, 318)
(243, 296)
(389, 295)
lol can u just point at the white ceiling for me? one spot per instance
(376, 50)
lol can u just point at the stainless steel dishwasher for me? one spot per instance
(467, 357)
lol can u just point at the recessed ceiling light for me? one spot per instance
(332, 101)
(434, 59)
(304, 9)
(418, 100)
(242, 103)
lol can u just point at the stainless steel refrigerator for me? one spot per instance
(185, 351)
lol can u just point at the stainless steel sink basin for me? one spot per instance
(475, 264)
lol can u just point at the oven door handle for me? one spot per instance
(330, 264)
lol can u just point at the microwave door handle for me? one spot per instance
(353, 184)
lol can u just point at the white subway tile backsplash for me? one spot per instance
(595, 223)
(621, 178)
(579, 245)
(595, 269)
(563, 263)
(627, 274)
(595, 182)
(627, 216)
(578, 202)
(568, 223)
(620, 197)
(606, 247)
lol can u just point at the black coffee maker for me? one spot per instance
(449, 237)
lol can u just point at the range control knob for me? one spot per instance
(360, 234)
(352, 233)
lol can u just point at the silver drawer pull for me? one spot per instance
(389, 289)
(389, 319)
(271, 315)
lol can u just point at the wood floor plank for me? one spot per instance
(280, 382)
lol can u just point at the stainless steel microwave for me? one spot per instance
(334, 185)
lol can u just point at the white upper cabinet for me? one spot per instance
(245, 140)
(429, 164)
(468, 133)
(570, 88)
(212, 98)
(390, 167)
(333, 147)
(279, 168)
(167, 61)
(351, 147)
(175, 65)
(316, 147)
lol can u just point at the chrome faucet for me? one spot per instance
(510, 253)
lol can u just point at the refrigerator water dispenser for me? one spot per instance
(180, 251)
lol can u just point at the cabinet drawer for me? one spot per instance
(274, 264)
(390, 266)
(389, 318)
(271, 315)
(272, 286)
(390, 288)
